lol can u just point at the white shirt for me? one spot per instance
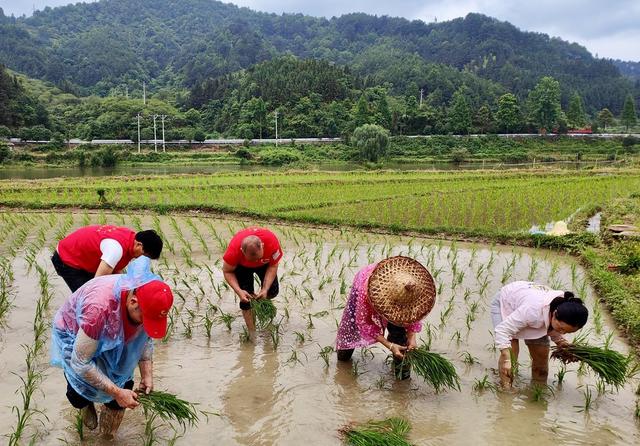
(525, 312)
(111, 252)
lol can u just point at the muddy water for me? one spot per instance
(260, 393)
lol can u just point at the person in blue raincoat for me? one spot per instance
(102, 332)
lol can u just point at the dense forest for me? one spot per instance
(216, 69)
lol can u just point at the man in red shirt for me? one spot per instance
(98, 250)
(252, 251)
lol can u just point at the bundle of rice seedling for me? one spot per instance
(433, 367)
(389, 432)
(609, 365)
(263, 312)
(169, 407)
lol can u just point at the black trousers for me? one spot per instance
(78, 401)
(245, 280)
(73, 277)
(395, 334)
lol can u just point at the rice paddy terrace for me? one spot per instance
(283, 384)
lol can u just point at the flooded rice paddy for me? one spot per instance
(275, 388)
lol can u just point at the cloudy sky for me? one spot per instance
(608, 28)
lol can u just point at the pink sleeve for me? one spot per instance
(369, 323)
(416, 327)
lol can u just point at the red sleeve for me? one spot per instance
(232, 254)
(275, 251)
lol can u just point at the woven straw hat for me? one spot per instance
(401, 290)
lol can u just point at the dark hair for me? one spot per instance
(570, 310)
(151, 243)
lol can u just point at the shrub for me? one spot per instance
(371, 141)
(279, 157)
(5, 153)
(243, 154)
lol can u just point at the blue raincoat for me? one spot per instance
(88, 335)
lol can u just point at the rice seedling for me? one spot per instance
(433, 368)
(245, 336)
(468, 358)
(325, 352)
(263, 312)
(300, 337)
(480, 385)
(457, 337)
(207, 322)
(562, 371)
(355, 368)
(540, 393)
(610, 365)
(79, 424)
(389, 432)
(294, 358)
(533, 269)
(169, 407)
(366, 353)
(274, 333)
(227, 319)
(587, 401)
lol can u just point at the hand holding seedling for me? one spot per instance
(244, 296)
(262, 294)
(127, 398)
(504, 367)
(397, 350)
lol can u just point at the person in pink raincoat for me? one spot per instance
(393, 295)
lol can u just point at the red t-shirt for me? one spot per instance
(272, 253)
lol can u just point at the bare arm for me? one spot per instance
(232, 280)
(82, 363)
(104, 269)
(395, 349)
(269, 277)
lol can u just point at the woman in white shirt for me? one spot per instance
(535, 313)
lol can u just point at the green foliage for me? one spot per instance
(5, 153)
(629, 117)
(544, 104)
(459, 113)
(18, 108)
(35, 133)
(508, 116)
(605, 118)
(279, 157)
(371, 140)
(576, 116)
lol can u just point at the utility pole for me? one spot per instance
(144, 93)
(276, 113)
(155, 138)
(421, 92)
(138, 132)
(163, 147)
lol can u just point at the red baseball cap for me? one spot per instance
(155, 299)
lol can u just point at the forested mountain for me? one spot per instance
(628, 69)
(175, 44)
(18, 108)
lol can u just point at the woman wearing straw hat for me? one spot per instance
(394, 294)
